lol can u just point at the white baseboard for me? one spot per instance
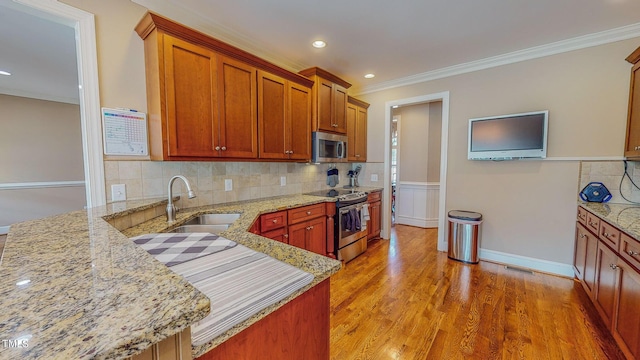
(546, 266)
(423, 223)
(4, 230)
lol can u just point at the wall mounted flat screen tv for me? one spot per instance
(508, 137)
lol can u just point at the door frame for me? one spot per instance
(90, 114)
(386, 205)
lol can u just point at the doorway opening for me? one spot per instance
(387, 213)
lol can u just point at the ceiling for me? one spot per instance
(395, 39)
(400, 41)
(40, 54)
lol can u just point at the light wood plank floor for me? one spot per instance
(404, 300)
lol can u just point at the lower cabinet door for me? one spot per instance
(298, 234)
(626, 324)
(580, 252)
(278, 235)
(605, 285)
(317, 236)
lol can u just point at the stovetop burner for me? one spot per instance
(341, 195)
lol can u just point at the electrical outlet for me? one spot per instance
(374, 177)
(118, 192)
(283, 180)
(228, 184)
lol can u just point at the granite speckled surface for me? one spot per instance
(320, 266)
(92, 293)
(624, 216)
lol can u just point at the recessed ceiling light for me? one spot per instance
(319, 44)
(2, 72)
(370, 76)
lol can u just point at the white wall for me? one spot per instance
(529, 206)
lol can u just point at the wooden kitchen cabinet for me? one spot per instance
(374, 200)
(584, 263)
(615, 290)
(284, 118)
(329, 105)
(632, 143)
(356, 130)
(626, 323)
(605, 284)
(202, 96)
(310, 235)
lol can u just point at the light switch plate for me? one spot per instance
(228, 184)
(118, 192)
(374, 177)
(283, 180)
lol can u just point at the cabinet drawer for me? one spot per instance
(609, 235)
(278, 235)
(630, 249)
(306, 212)
(593, 223)
(374, 196)
(582, 215)
(273, 221)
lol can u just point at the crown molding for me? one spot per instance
(577, 43)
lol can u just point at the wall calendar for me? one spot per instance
(124, 132)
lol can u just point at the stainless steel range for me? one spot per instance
(350, 234)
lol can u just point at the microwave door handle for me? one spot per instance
(341, 151)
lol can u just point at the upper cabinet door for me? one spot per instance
(191, 98)
(632, 148)
(238, 102)
(324, 105)
(361, 131)
(272, 114)
(339, 109)
(352, 115)
(299, 137)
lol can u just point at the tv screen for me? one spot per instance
(506, 137)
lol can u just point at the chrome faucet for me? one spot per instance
(171, 210)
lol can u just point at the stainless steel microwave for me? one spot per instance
(328, 147)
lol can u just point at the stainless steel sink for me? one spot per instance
(214, 219)
(214, 229)
(212, 223)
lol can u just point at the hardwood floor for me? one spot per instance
(402, 299)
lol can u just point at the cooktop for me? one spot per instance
(335, 192)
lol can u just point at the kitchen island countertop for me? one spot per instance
(73, 286)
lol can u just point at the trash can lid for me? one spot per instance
(465, 215)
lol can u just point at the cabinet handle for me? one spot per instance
(613, 266)
(286, 236)
(357, 155)
(582, 236)
(275, 221)
(217, 148)
(224, 148)
(632, 253)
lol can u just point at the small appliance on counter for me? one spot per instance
(353, 177)
(595, 192)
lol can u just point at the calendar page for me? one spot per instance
(125, 132)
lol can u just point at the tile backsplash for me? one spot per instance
(611, 173)
(251, 180)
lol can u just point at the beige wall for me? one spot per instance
(40, 141)
(435, 142)
(529, 206)
(413, 141)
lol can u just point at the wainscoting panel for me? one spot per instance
(417, 204)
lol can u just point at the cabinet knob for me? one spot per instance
(224, 148)
(308, 212)
(275, 221)
(286, 151)
(357, 155)
(613, 266)
(582, 236)
(309, 227)
(632, 253)
(217, 148)
(286, 236)
(605, 234)
(290, 151)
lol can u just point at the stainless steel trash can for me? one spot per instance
(464, 235)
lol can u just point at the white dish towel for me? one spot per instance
(364, 216)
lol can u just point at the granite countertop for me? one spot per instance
(92, 293)
(74, 287)
(626, 217)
